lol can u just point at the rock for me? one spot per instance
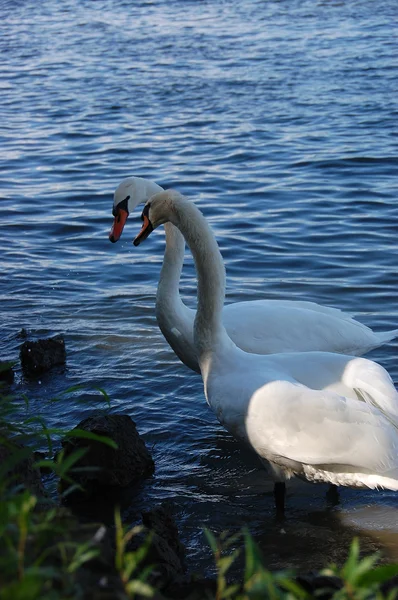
(6, 372)
(38, 357)
(389, 586)
(193, 588)
(128, 464)
(161, 521)
(165, 553)
(19, 460)
(320, 586)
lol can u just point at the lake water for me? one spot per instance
(280, 120)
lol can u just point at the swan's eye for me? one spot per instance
(122, 204)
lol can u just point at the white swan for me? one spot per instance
(257, 326)
(321, 416)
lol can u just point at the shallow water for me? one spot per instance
(280, 120)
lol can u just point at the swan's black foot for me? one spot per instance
(332, 495)
(279, 495)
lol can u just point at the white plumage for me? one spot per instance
(318, 415)
(258, 326)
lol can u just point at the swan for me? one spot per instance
(322, 416)
(256, 326)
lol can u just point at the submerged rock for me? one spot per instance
(161, 521)
(321, 586)
(193, 588)
(389, 586)
(102, 465)
(165, 552)
(39, 356)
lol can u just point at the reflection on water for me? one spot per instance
(378, 522)
(374, 518)
(279, 119)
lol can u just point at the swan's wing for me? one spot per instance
(373, 384)
(346, 375)
(269, 327)
(305, 304)
(313, 427)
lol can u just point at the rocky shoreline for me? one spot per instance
(101, 470)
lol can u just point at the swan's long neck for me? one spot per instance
(168, 294)
(208, 330)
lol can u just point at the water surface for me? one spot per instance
(280, 120)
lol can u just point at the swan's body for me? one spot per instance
(257, 326)
(321, 416)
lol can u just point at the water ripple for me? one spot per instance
(280, 121)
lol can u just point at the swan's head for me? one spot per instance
(128, 195)
(158, 210)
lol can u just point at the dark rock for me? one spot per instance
(6, 372)
(161, 521)
(19, 460)
(389, 586)
(165, 553)
(129, 463)
(321, 586)
(38, 357)
(167, 565)
(191, 589)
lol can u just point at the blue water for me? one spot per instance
(280, 120)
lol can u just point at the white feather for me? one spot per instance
(258, 326)
(319, 415)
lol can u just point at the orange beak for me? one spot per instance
(118, 224)
(145, 230)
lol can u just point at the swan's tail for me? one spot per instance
(387, 336)
(387, 404)
(381, 482)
